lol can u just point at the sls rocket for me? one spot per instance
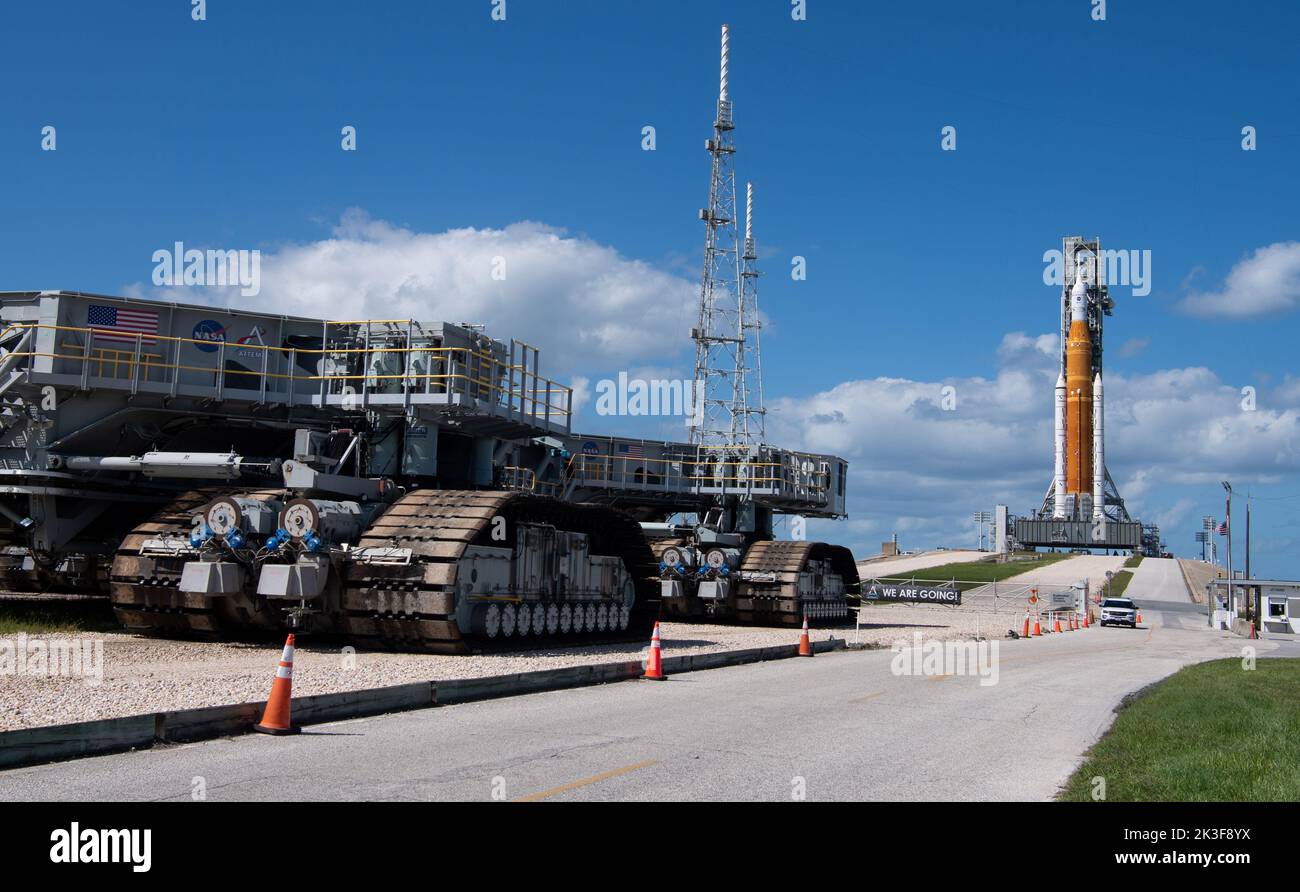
(1080, 468)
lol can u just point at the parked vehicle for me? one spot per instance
(1119, 612)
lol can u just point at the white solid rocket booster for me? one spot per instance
(1058, 479)
(1098, 449)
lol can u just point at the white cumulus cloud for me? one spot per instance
(918, 467)
(1265, 283)
(585, 304)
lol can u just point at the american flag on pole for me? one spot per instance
(1223, 528)
(631, 450)
(121, 324)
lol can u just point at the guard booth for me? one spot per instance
(1277, 600)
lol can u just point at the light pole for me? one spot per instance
(1232, 601)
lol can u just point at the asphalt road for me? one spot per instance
(838, 727)
(1158, 579)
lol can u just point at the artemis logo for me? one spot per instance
(77, 846)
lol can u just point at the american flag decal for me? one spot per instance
(631, 450)
(120, 324)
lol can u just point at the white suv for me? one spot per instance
(1119, 611)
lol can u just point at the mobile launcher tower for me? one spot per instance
(1082, 507)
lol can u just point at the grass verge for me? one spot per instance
(56, 617)
(1213, 732)
(1118, 584)
(978, 573)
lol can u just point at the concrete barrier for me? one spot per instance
(33, 746)
(28, 746)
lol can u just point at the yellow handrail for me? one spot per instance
(817, 480)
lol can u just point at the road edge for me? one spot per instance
(24, 747)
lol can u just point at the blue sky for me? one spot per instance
(921, 263)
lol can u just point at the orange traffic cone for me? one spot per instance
(275, 718)
(805, 646)
(1085, 619)
(1074, 622)
(1139, 616)
(1058, 623)
(1038, 629)
(1025, 634)
(654, 667)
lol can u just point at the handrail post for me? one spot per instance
(536, 371)
(176, 367)
(85, 358)
(266, 363)
(221, 369)
(293, 367)
(365, 370)
(135, 365)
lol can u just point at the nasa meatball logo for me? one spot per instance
(209, 335)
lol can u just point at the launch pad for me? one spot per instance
(1082, 507)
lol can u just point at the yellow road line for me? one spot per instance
(873, 695)
(594, 779)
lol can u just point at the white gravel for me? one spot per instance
(142, 675)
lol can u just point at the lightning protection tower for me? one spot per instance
(727, 365)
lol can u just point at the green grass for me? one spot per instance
(1118, 584)
(979, 572)
(1212, 732)
(56, 617)
(1133, 562)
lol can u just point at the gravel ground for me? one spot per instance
(1199, 574)
(884, 624)
(147, 675)
(143, 675)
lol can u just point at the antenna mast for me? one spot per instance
(749, 355)
(727, 365)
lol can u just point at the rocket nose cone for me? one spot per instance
(1096, 381)
(1078, 300)
(1060, 381)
